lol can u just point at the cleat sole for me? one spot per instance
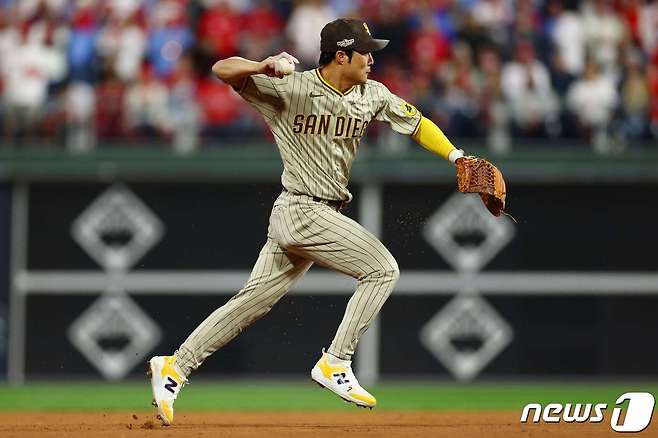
(342, 398)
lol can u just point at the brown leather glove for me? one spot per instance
(477, 175)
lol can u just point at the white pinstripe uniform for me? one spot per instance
(317, 130)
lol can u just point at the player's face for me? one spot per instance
(360, 67)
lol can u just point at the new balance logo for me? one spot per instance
(340, 378)
(171, 385)
(312, 94)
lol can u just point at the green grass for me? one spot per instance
(305, 396)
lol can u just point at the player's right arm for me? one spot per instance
(235, 69)
(259, 83)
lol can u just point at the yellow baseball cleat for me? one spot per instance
(336, 375)
(166, 382)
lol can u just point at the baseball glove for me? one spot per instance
(477, 175)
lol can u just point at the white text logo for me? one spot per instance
(637, 418)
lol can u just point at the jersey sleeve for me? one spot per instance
(266, 94)
(402, 116)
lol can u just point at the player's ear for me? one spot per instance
(341, 57)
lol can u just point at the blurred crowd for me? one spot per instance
(84, 72)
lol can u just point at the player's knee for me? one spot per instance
(394, 270)
(390, 271)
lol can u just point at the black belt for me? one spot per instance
(336, 205)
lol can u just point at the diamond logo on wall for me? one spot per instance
(114, 334)
(117, 229)
(465, 234)
(466, 335)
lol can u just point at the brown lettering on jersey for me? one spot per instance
(323, 126)
(363, 128)
(299, 123)
(310, 124)
(340, 126)
(355, 127)
(313, 124)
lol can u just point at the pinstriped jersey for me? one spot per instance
(317, 128)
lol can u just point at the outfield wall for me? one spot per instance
(5, 220)
(111, 266)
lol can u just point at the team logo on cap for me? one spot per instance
(345, 42)
(367, 29)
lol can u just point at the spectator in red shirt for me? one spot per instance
(652, 79)
(262, 31)
(630, 13)
(218, 32)
(428, 47)
(224, 113)
(109, 105)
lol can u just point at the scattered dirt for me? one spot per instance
(361, 423)
(148, 424)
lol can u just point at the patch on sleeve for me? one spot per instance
(408, 109)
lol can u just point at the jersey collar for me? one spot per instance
(331, 87)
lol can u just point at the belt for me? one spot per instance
(336, 205)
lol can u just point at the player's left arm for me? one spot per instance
(406, 119)
(430, 136)
(474, 175)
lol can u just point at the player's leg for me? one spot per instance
(331, 239)
(274, 273)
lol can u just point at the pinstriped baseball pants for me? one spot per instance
(301, 232)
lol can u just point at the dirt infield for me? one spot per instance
(379, 424)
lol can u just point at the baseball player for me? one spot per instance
(318, 118)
